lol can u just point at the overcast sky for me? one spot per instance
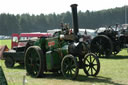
(57, 6)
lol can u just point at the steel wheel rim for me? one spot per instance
(102, 46)
(9, 62)
(32, 62)
(91, 65)
(69, 67)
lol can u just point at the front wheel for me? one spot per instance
(69, 67)
(9, 62)
(91, 64)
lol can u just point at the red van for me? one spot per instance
(19, 46)
(25, 36)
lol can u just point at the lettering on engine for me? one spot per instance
(51, 43)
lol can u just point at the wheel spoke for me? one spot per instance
(70, 72)
(93, 60)
(74, 70)
(91, 71)
(87, 60)
(95, 64)
(36, 70)
(65, 64)
(65, 68)
(90, 59)
(86, 65)
(88, 69)
(71, 62)
(94, 69)
(73, 66)
(68, 61)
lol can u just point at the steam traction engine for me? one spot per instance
(64, 53)
(110, 41)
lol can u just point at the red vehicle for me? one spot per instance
(25, 36)
(20, 42)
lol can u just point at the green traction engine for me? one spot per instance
(63, 53)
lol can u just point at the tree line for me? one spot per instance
(10, 23)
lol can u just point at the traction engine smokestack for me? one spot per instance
(74, 18)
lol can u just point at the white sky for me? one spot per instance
(57, 6)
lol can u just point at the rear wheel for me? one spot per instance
(91, 64)
(34, 61)
(102, 46)
(9, 62)
(69, 67)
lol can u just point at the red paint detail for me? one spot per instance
(20, 44)
(14, 44)
(35, 34)
(51, 43)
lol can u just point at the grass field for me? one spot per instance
(6, 42)
(114, 71)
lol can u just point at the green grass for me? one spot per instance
(114, 71)
(6, 42)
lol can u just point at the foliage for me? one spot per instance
(10, 23)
